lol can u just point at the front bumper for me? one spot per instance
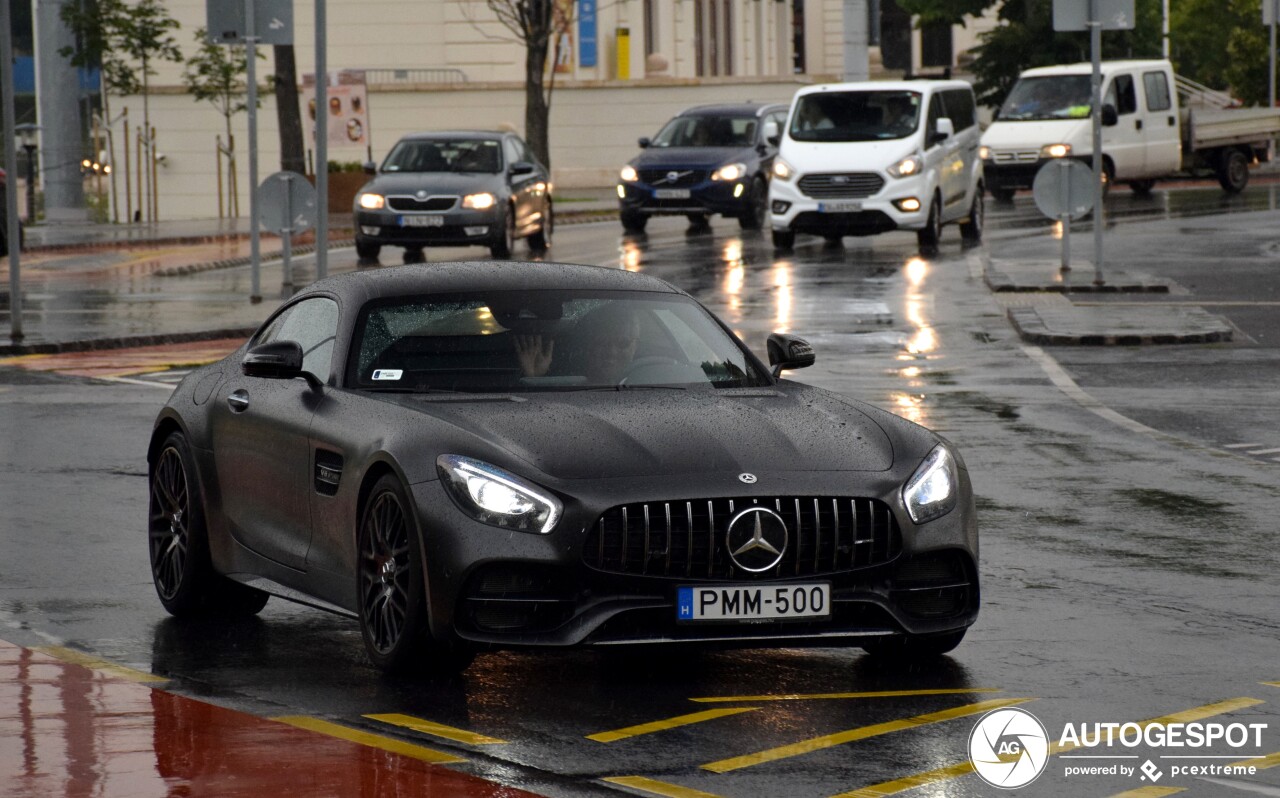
(510, 589)
(460, 227)
(1021, 174)
(708, 197)
(791, 209)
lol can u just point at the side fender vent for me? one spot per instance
(328, 472)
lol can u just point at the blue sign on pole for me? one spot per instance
(586, 33)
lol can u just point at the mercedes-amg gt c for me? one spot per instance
(495, 455)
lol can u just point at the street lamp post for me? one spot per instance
(27, 137)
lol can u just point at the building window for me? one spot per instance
(713, 35)
(651, 45)
(797, 37)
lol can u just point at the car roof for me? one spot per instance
(465, 276)
(733, 109)
(1105, 67)
(455, 134)
(887, 85)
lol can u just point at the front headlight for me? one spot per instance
(498, 498)
(931, 491)
(730, 172)
(984, 153)
(478, 202)
(1055, 151)
(372, 202)
(783, 170)
(906, 167)
(629, 174)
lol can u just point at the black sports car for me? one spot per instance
(474, 455)
(708, 159)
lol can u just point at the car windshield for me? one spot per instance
(707, 131)
(445, 155)
(856, 116)
(1050, 97)
(525, 341)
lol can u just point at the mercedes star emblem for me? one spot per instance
(750, 479)
(756, 539)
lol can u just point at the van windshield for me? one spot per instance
(1049, 97)
(856, 116)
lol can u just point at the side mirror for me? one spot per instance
(1109, 115)
(788, 352)
(370, 168)
(278, 360)
(771, 132)
(522, 168)
(644, 142)
(944, 130)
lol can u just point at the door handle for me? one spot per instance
(1137, 124)
(1170, 121)
(238, 401)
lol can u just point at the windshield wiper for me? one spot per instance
(622, 386)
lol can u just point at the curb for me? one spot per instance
(1032, 329)
(123, 342)
(244, 260)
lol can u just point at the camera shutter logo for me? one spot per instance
(1009, 748)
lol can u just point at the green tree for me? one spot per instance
(1230, 53)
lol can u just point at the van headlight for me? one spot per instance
(496, 497)
(783, 170)
(1055, 151)
(931, 491)
(984, 153)
(907, 167)
(730, 172)
(372, 202)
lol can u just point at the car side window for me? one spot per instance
(512, 151)
(313, 324)
(526, 154)
(1157, 87)
(960, 107)
(936, 111)
(1122, 94)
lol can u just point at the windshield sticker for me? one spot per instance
(387, 374)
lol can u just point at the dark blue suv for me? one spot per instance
(708, 159)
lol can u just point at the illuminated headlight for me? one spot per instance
(906, 167)
(629, 174)
(478, 202)
(984, 153)
(730, 172)
(498, 498)
(372, 202)
(907, 204)
(783, 170)
(931, 491)
(1055, 151)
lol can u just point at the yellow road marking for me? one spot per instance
(1272, 684)
(964, 768)
(1150, 792)
(436, 729)
(94, 663)
(663, 725)
(370, 740)
(1263, 763)
(658, 787)
(830, 740)
(826, 696)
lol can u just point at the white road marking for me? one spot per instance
(130, 381)
(1241, 445)
(1264, 451)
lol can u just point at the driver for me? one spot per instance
(609, 336)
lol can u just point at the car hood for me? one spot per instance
(1032, 134)
(649, 432)
(846, 156)
(691, 157)
(432, 183)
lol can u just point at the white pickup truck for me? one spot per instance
(1147, 133)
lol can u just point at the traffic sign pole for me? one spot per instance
(286, 281)
(1064, 217)
(1099, 214)
(251, 57)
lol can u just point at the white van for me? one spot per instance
(859, 159)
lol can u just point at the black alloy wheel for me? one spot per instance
(757, 207)
(389, 579)
(928, 237)
(506, 240)
(971, 230)
(540, 241)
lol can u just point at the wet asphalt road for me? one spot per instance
(1129, 568)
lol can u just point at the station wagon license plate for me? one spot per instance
(753, 602)
(839, 207)
(671, 193)
(422, 221)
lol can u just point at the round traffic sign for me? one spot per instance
(1063, 188)
(287, 203)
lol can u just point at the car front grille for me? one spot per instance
(1015, 156)
(415, 204)
(686, 539)
(684, 178)
(851, 185)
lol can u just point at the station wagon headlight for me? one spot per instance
(931, 491)
(1055, 151)
(478, 202)
(372, 202)
(730, 172)
(629, 174)
(906, 167)
(496, 497)
(783, 170)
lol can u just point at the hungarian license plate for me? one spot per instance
(422, 221)
(839, 207)
(671, 193)
(753, 602)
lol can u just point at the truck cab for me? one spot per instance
(1047, 115)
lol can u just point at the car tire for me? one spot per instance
(757, 207)
(784, 239)
(1233, 171)
(902, 647)
(178, 541)
(540, 241)
(971, 230)
(390, 589)
(834, 239)
(698, 220)
(633, 222)
(414, 255)
(1142, 188)
(367, 250)
(928, 238)
(1002, 195)
(501, 246)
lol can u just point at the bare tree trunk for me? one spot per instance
(536, 110)
(292, 154)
